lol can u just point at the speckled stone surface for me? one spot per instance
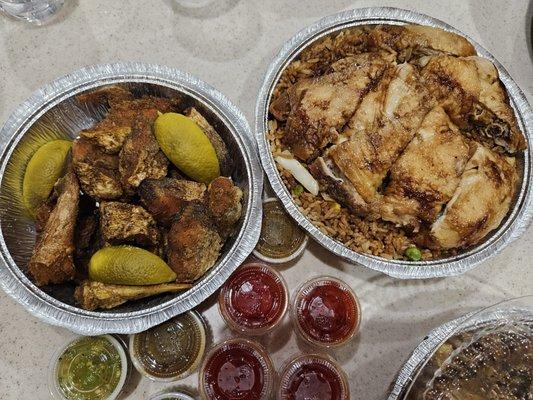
(229, 44)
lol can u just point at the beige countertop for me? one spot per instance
(229, 45)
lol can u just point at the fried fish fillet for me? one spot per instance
(426, 175)
(122, 223)
(96, 170)
(321, 107)
(111, 132)
(92, 295)
(193, 243)
(470, 91)
(221, 150)
(140, 157)
(479, 203)
(52, 257)
(166, 197)
(224, 203)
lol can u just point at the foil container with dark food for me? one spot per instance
(52, 112)
(516, 220)
(464, 349)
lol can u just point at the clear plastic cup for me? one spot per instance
(254, 299)
(86, 355)
(172, 350)
(237, 369)
(34, 11)
(326, 312)
(313, 376)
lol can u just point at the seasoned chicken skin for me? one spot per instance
(479, 204)
(52, 257)
(412, 41)
(321, 107)
(382, 127)
(471, 93)
(426, 175)
(122, 223)
(140, 157)
(91, 295)
(166, 197)
(193, 243)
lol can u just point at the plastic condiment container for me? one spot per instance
(89, 368)
(281, 239)
(313, 376)
(237, 369)
(326, 312)
(254, 299)
(172, 396)
(171, 350)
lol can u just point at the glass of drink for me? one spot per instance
(34, 11)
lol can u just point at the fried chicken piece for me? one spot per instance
(479, 203)
(85, 231)
(140, 157)
(166, 197)
(112, 131)
(470, 91)
(122, 223)
(92, 295)
(321, 107)
(193, 243)
(379, 131)
(96, 170)
(107, 95)
(224, 203)
(411, 41)
(426, 175)
(221, 150)
(52, 257)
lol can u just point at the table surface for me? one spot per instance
(229, 45)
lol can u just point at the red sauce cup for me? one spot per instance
(313, 376)
(326, 312)
(237, 369)
(254, 299)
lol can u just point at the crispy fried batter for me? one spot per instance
(52, 257)
(224, 203)
(97, 171)
(193, 243)
(140, 157)
(166, 197)
(122, 223)
(93, 295)
(107, 95)
(221, 150)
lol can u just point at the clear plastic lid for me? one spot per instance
(89, 368)
(486, 351)
(326, 312)
(254, 299)
(492, 356)
(172, 396)
(171, 350)
(313, 376)
(237, 369)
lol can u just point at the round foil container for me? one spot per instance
(518, 309)
(52, 108)
(520, 213)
